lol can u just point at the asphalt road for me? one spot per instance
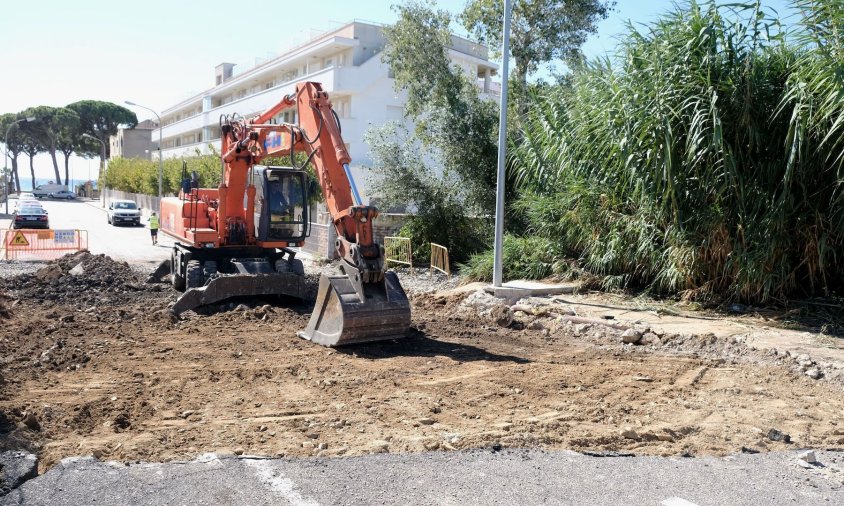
(443, 478)
(132, 244)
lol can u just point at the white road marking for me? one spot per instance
(676, 501)
(278, 482)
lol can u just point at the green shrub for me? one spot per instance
(136, 175)
(524, 258)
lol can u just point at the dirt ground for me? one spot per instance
(91, 364)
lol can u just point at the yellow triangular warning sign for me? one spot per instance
(19, 240)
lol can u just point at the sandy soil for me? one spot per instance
(104, 372)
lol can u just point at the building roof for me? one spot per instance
(146, 124)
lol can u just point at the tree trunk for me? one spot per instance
(15, 173)
(32, 170)
(67, 168)
(56, 164)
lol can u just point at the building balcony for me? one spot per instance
(249, 105)
(187, 150)
(180, 127)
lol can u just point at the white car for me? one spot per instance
(26, 202)
(63, 194)
(123, 211)
(26, 196)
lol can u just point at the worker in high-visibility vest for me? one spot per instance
(153, 228)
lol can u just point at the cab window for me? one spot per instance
(286, 202)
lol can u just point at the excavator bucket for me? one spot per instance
(240, 285)
(341, 317)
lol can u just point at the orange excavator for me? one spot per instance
(237, 239)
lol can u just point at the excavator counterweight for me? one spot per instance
(237, 240)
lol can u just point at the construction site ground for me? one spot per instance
(91, 364)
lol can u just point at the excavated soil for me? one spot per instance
(91, 364)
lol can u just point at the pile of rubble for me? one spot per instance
(554, 318)
(540, 313)
(79, 278)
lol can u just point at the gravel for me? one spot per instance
(421, 280)
(11, 268)
(414, 281)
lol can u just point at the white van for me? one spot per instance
(44, 190)
(123, 211)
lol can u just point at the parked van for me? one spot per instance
(44, 190)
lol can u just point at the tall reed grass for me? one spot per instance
(705, 159)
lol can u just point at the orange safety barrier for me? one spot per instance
(439, 259)
(29, 244)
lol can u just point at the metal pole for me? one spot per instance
(6, 170)
(160, 154)
(498, 253)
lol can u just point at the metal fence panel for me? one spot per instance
(31, 244)
(439, 259)
(397, 250)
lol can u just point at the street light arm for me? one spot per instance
(147, 108)
(160, 152)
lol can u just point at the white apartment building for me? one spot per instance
(347, 61)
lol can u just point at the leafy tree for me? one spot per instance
(541, 30)
(68, 135)
(452, 122)
(136, 175)
(405, 177)
(40, 137)
(416, 52)
(32, 145)
(52, 125)
(15, 145)
(101, 120)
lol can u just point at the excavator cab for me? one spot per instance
(281, 204)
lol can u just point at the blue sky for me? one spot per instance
(157, 52)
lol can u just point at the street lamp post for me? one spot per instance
(103, 162)
(498, 249)
(160, 157)
(6, 163)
